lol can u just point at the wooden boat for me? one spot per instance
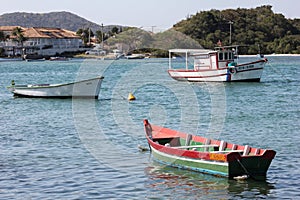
(219, 65)
(206, 155)
(89, 88)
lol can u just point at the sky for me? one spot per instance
(156, 14)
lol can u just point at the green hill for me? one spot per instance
(65, 20)
(260, 26)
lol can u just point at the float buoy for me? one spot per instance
(131, 97)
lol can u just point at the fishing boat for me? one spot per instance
(206, 155)
(219, 65)
(89, 88)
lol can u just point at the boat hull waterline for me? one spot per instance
(89, 88)
(214, 157)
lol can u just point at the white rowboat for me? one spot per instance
(89, 88)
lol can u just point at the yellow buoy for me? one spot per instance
(131, 97)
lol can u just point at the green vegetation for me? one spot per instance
(2, 36)
(19, 36)
(86, 34)
(134, 40)
(259, 27)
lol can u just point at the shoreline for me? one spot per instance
(270, 55)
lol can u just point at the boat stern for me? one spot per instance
(254, 166)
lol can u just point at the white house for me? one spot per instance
(41, 41)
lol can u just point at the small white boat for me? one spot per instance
(219, 65)
(89, 88)
(135, 56)
(58, 58)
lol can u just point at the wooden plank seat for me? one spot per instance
(227, 151)
(197, 146)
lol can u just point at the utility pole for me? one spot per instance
(152, 28)
(102, 35)
(89, 35)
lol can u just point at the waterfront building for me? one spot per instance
(40, 41)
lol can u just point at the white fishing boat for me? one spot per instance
(89, 88)
(219, 65)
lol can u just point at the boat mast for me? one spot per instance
(186, 60)
(102, 36)
(230, 24)
(170, 60)
(89, 35)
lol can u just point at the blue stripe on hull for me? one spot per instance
(206, 171)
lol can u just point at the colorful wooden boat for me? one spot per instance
(206, 155)
(219, 65)
(89, 88)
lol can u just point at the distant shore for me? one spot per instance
(270, 55)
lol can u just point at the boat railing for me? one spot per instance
(227, 151)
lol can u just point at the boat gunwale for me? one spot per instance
(219, 69)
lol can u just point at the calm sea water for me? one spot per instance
(88, 149)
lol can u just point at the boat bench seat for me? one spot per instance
(227, 151)
(197, 146)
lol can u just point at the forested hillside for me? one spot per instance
(260, 28)
(65, 20)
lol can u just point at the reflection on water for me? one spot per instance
(250, 188)
(175, 182)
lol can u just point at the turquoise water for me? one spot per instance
(88, 149)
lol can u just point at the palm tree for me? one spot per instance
(19, 36)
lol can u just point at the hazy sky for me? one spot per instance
(140, 13)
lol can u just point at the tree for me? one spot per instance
(2, 36)
(18, 35)
(115, 30)
(99, 36)
(85, 35)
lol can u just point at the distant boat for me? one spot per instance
(206, 155)
(34, 58)
(89, 88)
(135, 56)
(219, 65)
(59, 59)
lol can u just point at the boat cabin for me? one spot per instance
(203, 59)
